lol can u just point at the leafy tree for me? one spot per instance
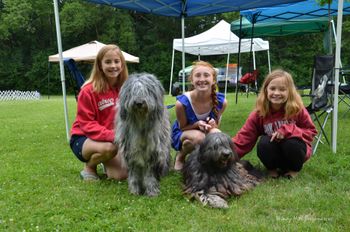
(28, 37)
(22, 30)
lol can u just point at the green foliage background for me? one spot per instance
(28, 37)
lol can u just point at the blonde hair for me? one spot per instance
(294, 102)
(215, 102)
(98, 78)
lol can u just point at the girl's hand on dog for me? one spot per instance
(212, 122)
(204, 126)
(276, 136)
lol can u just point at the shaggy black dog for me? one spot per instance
(213, 172)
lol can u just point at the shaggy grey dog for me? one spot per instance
(143, 133)
(213, 172)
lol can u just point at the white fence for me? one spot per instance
(13, 95)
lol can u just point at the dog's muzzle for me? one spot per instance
(140, 106)
(225, 157)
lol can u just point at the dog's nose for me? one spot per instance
(140, 104)
(226, 154)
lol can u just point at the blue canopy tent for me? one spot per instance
(188, 8)
(306, 11)
(175, 8)
(309, 9)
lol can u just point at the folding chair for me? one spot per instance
(250, 78)
(344, 89)
(321, 105)
(77, 79)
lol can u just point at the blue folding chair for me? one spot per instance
(77, 79)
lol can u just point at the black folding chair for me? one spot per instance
(344, 89)
(77, 79)
(321, 105)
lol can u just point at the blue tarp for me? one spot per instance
(309, 9)
(179, 8)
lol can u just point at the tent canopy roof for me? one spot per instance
(87, 52)
(281, 28)
(218, 40)
(178, 8)
(295, 11)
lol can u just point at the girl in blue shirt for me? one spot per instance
(198, 111)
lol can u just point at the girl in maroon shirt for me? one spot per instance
(283, 124)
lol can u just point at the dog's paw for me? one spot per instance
(152, 192)
(151, 185)
(217, 202)
(152, 189)
(135, 191)
(211, 200)
(134, 187)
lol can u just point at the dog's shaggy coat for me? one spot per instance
(213, 172)
(143, 133)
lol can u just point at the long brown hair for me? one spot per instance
(294, 102)
(213, 87)
(98, 78)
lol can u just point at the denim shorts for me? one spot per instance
(76, 144)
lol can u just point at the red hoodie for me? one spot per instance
(95, 114)
(300, 126)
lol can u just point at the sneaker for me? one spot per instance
(103, 168)
(273, 173)
(216, 201)
(290, 174)
(88, 176)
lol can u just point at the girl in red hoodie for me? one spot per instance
(283, 124)
(92, 133)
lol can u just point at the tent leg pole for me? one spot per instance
(268, 59)
(226, 73)
(172, 71)
(48, 80)
(183, 52)
(336, 78)
(59, 45)
(238, 56)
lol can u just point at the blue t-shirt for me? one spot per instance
(191, 118)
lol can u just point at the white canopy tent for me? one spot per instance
(218, 40)
(88, 52)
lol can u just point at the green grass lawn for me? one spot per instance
(40, 188)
